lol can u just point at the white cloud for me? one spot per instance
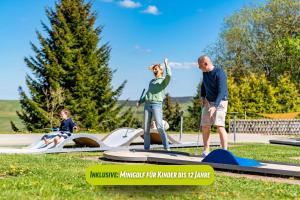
(153, 10)
(183, 65)
(130, 4)
(142, 49)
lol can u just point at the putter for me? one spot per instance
(136, 109)
(198, 138)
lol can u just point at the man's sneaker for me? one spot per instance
(204, 154)
(168, 149)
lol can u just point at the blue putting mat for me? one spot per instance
(222, 156)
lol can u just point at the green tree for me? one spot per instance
(14, 127)
(192, 121)
(69, 57)
(255, 94)
(261, 39)
(176, 117)
(54, 100)
(252, 94)
(168, 109)
(287, 95)
(171, 113)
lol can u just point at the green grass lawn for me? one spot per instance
(62, 176)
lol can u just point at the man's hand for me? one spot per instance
(166, 61)
(137, 104)
(212, 111)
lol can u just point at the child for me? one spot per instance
(65, 130)
(66, 127)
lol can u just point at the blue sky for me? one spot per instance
(140, 32)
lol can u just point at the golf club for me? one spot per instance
(136, 109)
(198, 138)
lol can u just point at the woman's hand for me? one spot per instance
(166, 61)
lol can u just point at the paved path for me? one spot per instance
(26, 139)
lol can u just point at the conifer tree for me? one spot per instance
(194, 111)
(171, 113)
(168, 109)
(176, 117)
(69, 57)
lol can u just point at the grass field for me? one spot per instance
(8, 110)
(61, 176)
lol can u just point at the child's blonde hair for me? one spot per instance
(66, 112)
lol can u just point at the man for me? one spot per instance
(214, 98)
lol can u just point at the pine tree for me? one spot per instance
(176, 117)
(168, 109)
(194, 111)
(69, 57)
(171, 113)
(14, 127)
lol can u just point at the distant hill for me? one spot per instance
(9, 105)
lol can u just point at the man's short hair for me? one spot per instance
(203, 57)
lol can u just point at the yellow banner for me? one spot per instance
(150, 175)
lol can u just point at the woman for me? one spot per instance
(153, 103)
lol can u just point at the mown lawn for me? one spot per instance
(62, 176)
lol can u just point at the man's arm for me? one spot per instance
(222, 87)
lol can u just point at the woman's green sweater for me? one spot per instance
(156, 90)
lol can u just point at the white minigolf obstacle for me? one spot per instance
(89, 142)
